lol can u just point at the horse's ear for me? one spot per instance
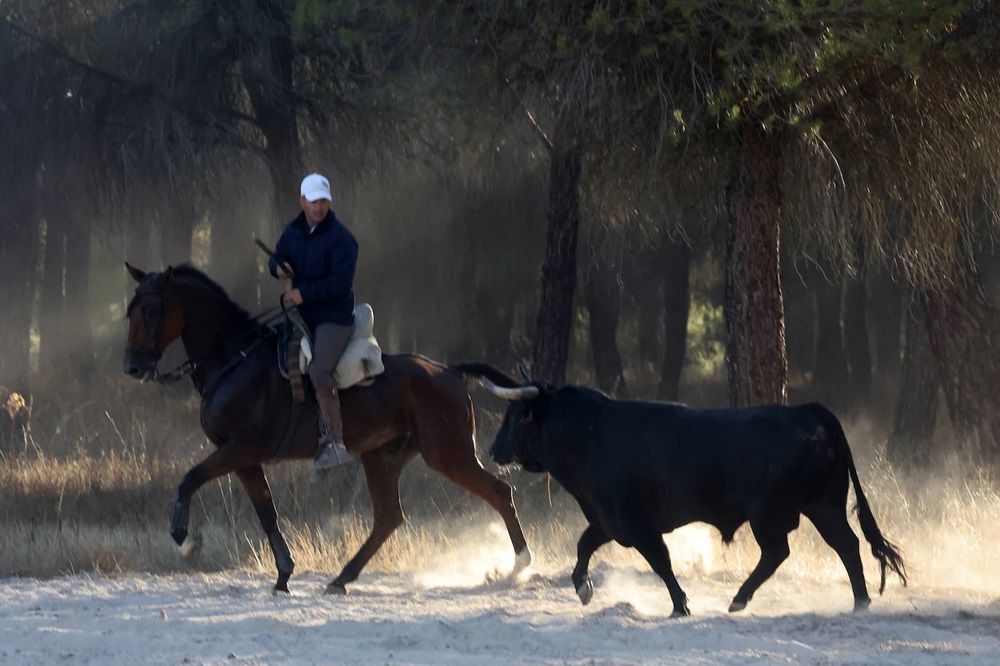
(136, 274)
(165, 276)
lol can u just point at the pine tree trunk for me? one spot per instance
(77, 306)
(604, 305)
(18, 256)
(963, 328)
(856, 345)
(273, 95)
(832, 374)
(910, 446)
(754, 314)
(177, 226)
(51, 316)
(232, 256)
(886, 307)
(555, 311)
(676, 309)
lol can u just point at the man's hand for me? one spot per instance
(293, 297)
(285, 271)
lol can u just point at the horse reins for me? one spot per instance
(188, 367)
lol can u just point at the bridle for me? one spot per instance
(153, 352)
(188, 367)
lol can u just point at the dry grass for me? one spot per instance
(100, 500)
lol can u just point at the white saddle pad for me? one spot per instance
(362, 358)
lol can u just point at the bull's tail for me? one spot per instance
(886, 552)
(486, 370)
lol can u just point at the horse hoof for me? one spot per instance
(861, 605)
(585, 591)
(336, 588)
(522, 561)
(680, 612)
(737, 606)
(188, 549)
(282, 590)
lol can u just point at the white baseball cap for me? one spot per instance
(315, 187)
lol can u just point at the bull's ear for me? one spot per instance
(136, 274)
(165, 276)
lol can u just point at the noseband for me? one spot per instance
(178, 373)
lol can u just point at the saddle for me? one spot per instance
(358, 365)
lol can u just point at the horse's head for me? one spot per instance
(154, 322)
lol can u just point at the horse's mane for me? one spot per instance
(189, 272)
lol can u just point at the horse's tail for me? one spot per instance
(886, 552)
(485, 370)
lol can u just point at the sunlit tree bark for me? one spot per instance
(754, 311)
(555, 311)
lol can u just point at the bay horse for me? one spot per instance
(416, 407)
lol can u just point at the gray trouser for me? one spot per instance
(329, 342)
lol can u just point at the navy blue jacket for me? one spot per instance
(324, 263)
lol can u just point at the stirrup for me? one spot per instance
(331, 454)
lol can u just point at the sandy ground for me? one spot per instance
(452, 616)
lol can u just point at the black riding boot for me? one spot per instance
(331, 451)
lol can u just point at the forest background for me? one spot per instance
(722, 203)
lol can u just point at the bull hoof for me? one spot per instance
(282, 583)
(179, 536)
(861, 605)
(585, 591)
(737, 606)
(522, 561)
(336, 588)
(188, 549)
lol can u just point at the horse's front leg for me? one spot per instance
(219, 463)
(255, 483)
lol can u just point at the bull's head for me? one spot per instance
(153, 323)
(520, 437)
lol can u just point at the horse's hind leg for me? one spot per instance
(382, 471)
(466, 472)
(255, 483)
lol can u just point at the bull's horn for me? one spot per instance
(519, 393)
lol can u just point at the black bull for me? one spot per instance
(641, 469)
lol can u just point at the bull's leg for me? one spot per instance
(650, 545)
(382, 471)
(832, 525)
(221, 461)
(469, 474)
(773, 542)
(255, 483)
(592, 538)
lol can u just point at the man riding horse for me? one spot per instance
(319, 254)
